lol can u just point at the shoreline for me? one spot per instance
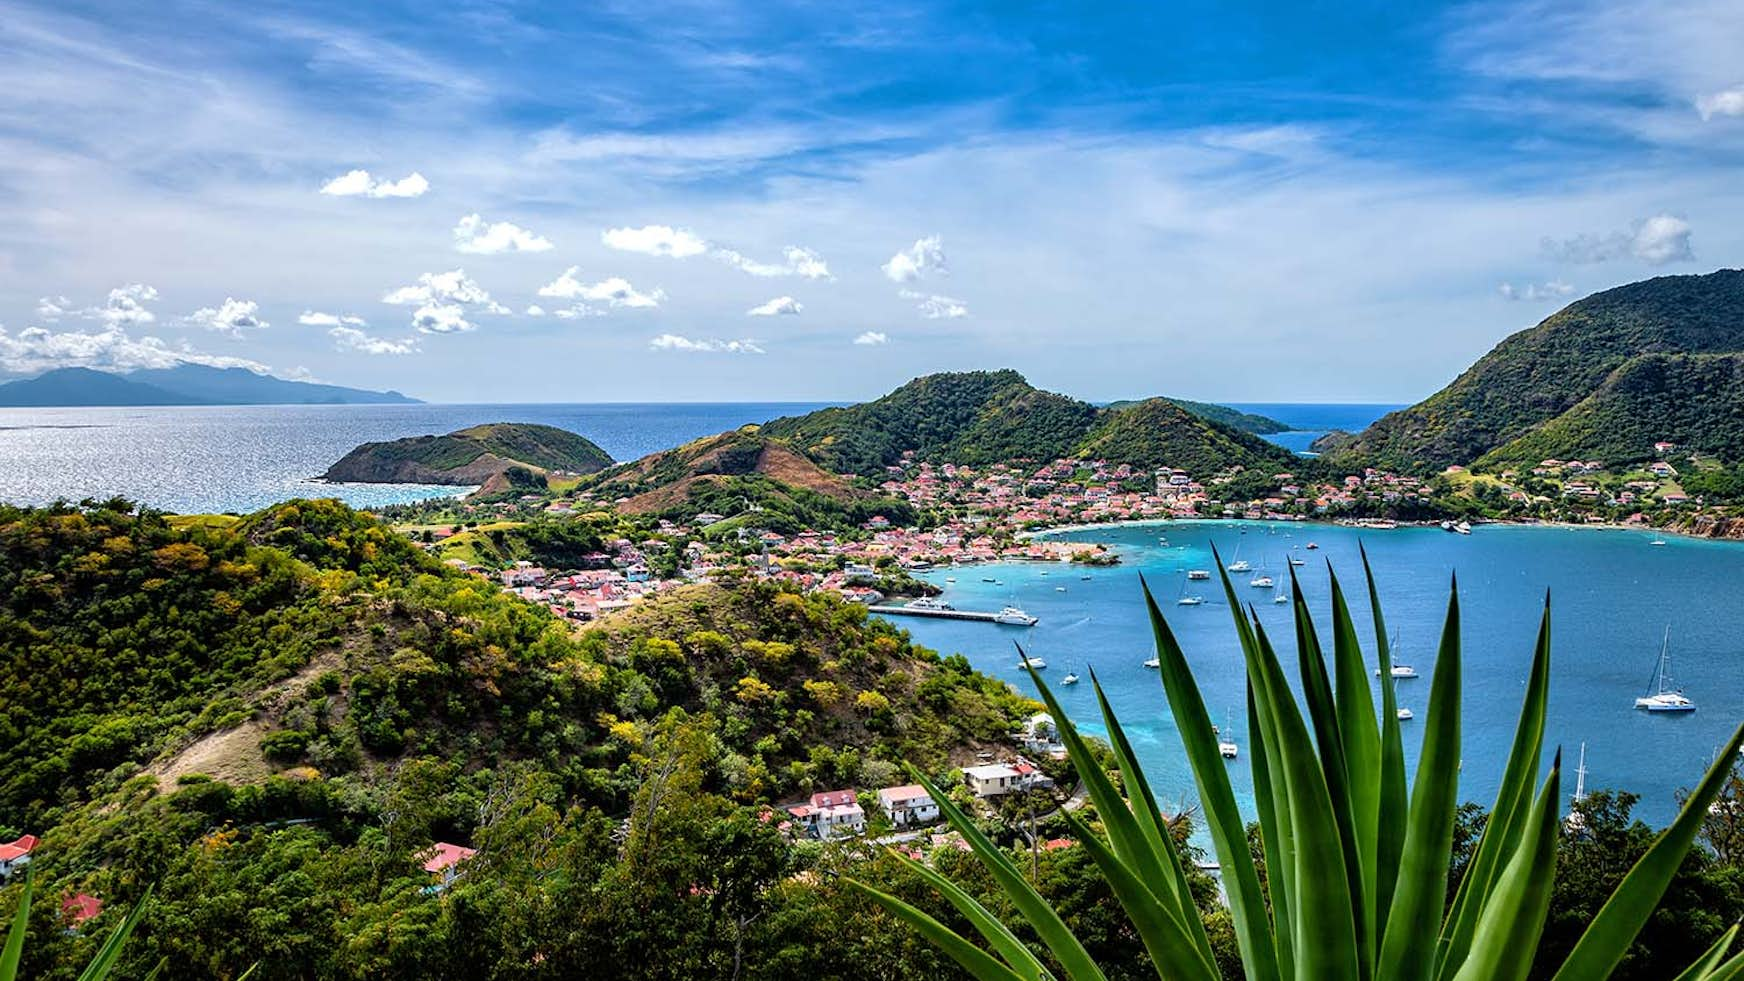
(1039, 533)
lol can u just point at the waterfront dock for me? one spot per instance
(909, 611)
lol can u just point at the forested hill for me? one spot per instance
(1247, 422)
(470, 456)
(272, 718)
(983, 417)
(1586, 351)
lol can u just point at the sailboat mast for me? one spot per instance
(1580, 776)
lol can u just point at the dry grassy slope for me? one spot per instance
(713, 458)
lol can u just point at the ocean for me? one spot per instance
(242, 458)
(1612, 595)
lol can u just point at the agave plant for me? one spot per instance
(1356, 861)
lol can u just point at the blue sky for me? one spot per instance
(500, 201)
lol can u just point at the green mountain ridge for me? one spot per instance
(984, 417)
(470, 456)
(1533, 377)
(1247, 422)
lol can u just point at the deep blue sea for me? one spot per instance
(1612, 598)
(242, 458)
(1308, 421)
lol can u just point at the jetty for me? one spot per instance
(910, 611)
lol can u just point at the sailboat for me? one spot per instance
(1185, 600)
(1154, 662)
(1071, 678)
(1574, 821)
(1657, 541)
(1663, 697)
(1398, 670)
(1261, 579)
(1240, 564)
(1279, 596)
(1226, 746)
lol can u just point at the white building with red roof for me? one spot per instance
(908, 805)
(831, 814)
(15, 855)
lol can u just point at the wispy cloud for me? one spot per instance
(703, 345)
(313, 318)
(1555, 289)
(871, 338)
(1656, 241)
(681, 243)
(935, 307)
(359, 183)
(36, 349)
(1729, 102)
(778, 307)
(476, 236)
(353, 339)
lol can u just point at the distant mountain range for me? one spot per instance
(185, 384)
(1602, 379)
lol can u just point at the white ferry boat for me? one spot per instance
(930, 603)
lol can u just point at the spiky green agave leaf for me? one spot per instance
(1708, 965)
(1513, 913)
(977, 962)
(110, 952)
(1611, 932)
(13, 952)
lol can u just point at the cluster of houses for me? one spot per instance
(839, 813)
(75, 909)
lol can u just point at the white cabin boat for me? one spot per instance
(1153, 663)
(1406, 715)
(1198, 574)
(930, 603)
(1032, 662)
(1069, 679)
(1013, 616)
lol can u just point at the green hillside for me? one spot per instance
(1693, 400)
(1538, 374)
(1247, 422)
(996, 416)
(470, 456)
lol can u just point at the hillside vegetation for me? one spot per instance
(1537, 375)
(1247, 422)
(470, 456)
(985, 417)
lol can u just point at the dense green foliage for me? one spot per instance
(983, 417)
(1535, 376)
(1247, 422)
(431, 458)
(1693, 400)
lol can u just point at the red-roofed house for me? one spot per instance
(443, 860)
(77, 909)
(908, 805)
(831, 813)
(16, 855)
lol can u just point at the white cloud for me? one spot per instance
(312, 318)
(677, 243)
(476, 236)
(935, 307)
(126, 306)
(445, 302)
(441, 318)
(780, 306)
(1656, 241)
(1554, 289)
(52, 308)
(576, 311)
(36, 349)
(926, 255)
(615, 291)
(1662, 239)
(359, 183)
(352, 339)
(871, 337)
(682, 243)
(796, 261)
(1727, 103)
(673, 342)
(535, 310)
(233, 317)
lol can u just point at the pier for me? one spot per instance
(909, 611)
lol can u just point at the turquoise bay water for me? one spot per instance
(1612, 597)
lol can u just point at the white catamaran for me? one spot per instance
(1662, 695)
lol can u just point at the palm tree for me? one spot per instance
(1356, 862)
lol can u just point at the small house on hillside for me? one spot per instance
(443, 860)
(15, 855)
(76, 909)
(830, 814)
(908, 805)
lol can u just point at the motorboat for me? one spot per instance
(1198, 574)
(1406, 715)
(1032, 662)
(1015, 617)
(1069, 679)
(1153, 663)
(929, 603)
